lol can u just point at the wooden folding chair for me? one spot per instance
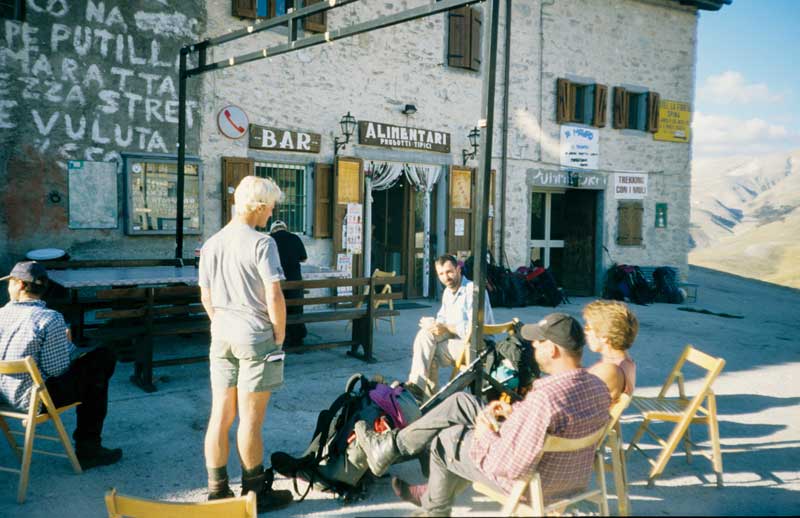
(387, 288)
(512, 505)
(613, 441)
(682, 411)
(120, 506)
(511, 327)
(30, 419)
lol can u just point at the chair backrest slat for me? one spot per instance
(553, 444)
(704, 360)
(120, 506)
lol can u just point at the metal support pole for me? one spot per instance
(483, 177)
(368, 226)
(181, 154)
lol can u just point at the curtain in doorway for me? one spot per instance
(423, 178)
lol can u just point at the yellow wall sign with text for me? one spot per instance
(673, 121)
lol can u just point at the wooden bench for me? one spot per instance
(131, 318)
(689, 287)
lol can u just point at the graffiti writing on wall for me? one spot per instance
(89, 80)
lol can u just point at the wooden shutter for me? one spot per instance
(316, 22)
(476, 21)
(653, 100)
(620, 108)
(348, 187)
(460, 205)
(233, 170)
(563, 102)
(600, 102)
(245, 8)
(323, 187)
(458, 47)
(629, 223)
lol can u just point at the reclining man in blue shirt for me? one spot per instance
(28, 328)
(440, 340)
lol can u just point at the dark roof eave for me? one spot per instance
(708, 5)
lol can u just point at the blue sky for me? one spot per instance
(748, 90)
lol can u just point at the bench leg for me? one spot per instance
(143, 368)
(362, 335)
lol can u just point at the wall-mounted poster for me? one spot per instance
(344, 263)
(461, 189)
(92, 194)
(580, 148)
(673, 121)
(630, 186)
(349, 181)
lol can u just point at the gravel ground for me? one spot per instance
(758, 398)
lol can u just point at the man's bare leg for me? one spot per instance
(252, 410)
(223, 412)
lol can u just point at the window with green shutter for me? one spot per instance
(291, 178)
(584, 103)
(637, 110)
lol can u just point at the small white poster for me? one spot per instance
(630, 186)
(580, 147)
(344, 263)
(459, 230)
(353, 229)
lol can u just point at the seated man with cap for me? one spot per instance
(501, 443)
(28, 328)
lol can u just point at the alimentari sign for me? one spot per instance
(389, 135)
(264, 137)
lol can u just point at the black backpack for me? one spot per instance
(333, 462)
(667, 289)
(627, 281)
(512, 364)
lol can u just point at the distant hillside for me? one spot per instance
(746, 216)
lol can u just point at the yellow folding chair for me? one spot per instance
(30, 419)
(683, 412)
(511, 327)
(512, 505)
(120, 506)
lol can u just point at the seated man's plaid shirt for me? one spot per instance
(30, 329)
(571, 404)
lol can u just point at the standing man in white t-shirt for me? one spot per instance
(240, 274)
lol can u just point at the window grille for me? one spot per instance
(291, 179)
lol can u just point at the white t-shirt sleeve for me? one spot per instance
(269, 262)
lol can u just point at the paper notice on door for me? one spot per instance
(459, 231)
(344, 263)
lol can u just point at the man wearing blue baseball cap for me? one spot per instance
(28, 328)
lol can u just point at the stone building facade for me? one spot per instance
(128, 81)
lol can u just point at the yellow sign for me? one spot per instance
(673, 121)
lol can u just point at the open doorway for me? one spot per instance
(563, 236)
(398, 232)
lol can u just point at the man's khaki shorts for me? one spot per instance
(251, 368)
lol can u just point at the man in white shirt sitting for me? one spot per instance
(440, 340)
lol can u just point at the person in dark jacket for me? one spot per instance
(292, 253)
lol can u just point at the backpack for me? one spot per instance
(667, 289)
(333, 462)
(511, 363)
(627, 281)
(543, 289)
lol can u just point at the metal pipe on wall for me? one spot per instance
(504, 150)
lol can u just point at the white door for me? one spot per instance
(547, 227)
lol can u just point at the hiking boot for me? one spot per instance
(379, 448)
(220, 493)
(408, 493)
(93, 454)
(267, 499)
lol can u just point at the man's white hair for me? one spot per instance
(253, 192)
